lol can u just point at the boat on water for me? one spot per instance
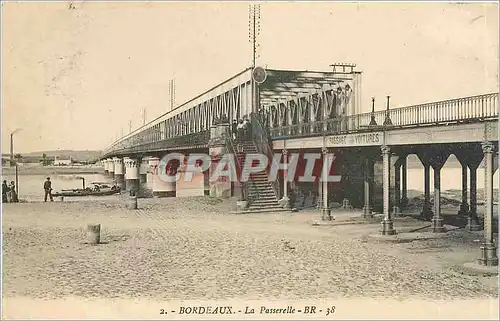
(98, 189)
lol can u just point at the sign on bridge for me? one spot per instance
(364, 139)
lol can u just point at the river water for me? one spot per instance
(31, 186)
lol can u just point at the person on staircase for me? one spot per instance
(247, 129)
(239, 130)
(234, 129)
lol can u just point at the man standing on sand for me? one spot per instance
(47, 186)
(5, 190)
(13, 193)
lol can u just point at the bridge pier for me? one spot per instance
(160, 186)
(387, 222)
(221, 143)
(426, 210)
(397, 180)
(191, 181)
(473, 161)
(463, 158)
(106, 166)
(143, 171)
(111, 168)
(473, 219)
(464, 206)
(368, 187)
(119, 172)
(488, 250)
(404, 182)
(437, 161)
(131, 174)
(325, 210)
(222, 187)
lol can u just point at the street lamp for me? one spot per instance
(387, 121)
(12, 146)
(373, 122)
(12, 162)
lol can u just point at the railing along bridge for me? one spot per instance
(453, 111)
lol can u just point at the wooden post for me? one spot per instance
(93, 234)
(132, 203)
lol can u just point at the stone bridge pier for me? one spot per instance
(219, 146)
(111, 168)
(160, 185)
(143, 171)
(132, 174)
(191, 179)
(105, 164)
(119, 172)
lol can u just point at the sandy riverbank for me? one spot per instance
(192, 249)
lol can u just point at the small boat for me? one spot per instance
(99, 189)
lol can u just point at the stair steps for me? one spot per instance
(261, 195)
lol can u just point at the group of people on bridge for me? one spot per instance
(241, 129)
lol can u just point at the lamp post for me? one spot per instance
(12, 146)
(387, 121)
(12, 162)
(373, 122)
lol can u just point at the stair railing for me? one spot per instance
(245, 186)
(261, 138)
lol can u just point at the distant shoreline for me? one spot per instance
(51, 170)
(414, 163)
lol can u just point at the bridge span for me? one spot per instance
(303, 111)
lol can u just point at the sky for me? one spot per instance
(74, 78)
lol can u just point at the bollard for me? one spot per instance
(346, 203)
(132, 203)
(93, 234)
(396, 211)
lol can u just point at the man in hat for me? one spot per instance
(5, 191)
(47, 186)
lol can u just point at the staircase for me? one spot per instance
(261, 194)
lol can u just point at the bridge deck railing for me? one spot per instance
(475, 108)
(194, 139)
